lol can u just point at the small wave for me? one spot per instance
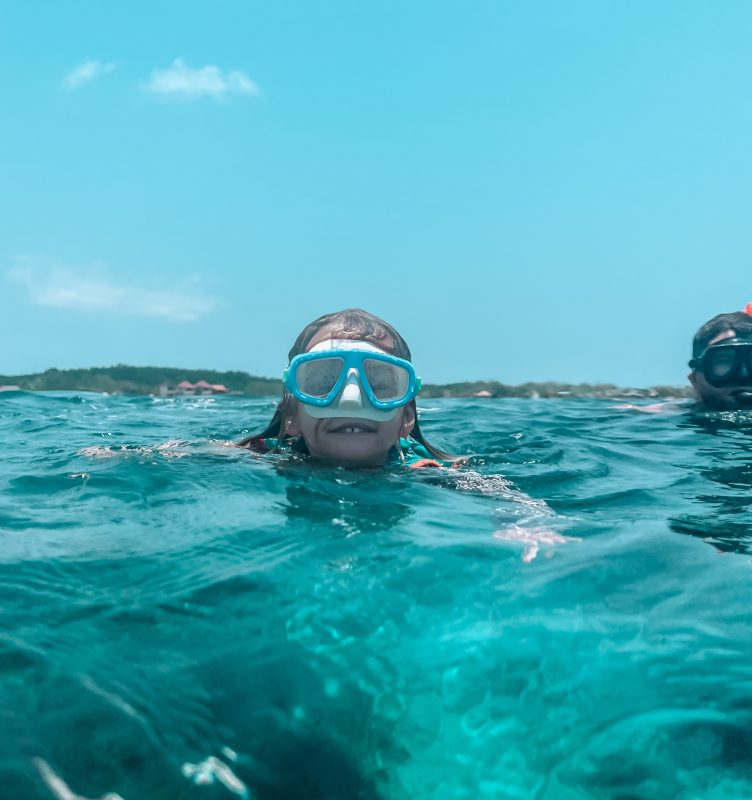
(170, 449)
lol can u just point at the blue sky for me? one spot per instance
(527, 191)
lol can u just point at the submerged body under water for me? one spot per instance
(324, 633)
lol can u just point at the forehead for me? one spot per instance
(337, 330)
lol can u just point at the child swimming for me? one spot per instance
(349, 397)
(349, 401)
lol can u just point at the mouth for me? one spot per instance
(743, 397)
(353, 429)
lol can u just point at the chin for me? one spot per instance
(354, 454)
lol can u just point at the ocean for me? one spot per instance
(184, 619)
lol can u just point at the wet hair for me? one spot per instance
(364, 326)
(736, 321)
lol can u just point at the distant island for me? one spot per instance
(551, 389)
(167, 381)
(122, 379)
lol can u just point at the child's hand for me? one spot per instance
(532, 538)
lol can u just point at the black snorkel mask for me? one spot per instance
(728, 364)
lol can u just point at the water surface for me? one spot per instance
(366, 634)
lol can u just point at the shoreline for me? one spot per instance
(122, 379)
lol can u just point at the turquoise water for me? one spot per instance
(375, 634)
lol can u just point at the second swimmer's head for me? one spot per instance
(722, 361)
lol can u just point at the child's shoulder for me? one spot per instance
(415, 456)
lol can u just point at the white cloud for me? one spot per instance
(51, 283)
(180, 80)
(85, 73)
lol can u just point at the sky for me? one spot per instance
(527, 191)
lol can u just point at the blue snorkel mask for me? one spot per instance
(349, 378)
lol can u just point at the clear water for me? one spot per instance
(366, 635)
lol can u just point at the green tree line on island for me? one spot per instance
(549, 389)
(122, 379)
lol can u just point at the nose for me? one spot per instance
(744, 372)
(351, 398)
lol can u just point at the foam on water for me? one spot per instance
(175, 610)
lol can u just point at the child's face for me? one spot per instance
(348, 441)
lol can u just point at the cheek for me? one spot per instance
(408, 421)
(703, 386)
(391, 430)
(305, 424)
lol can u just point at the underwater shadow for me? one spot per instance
(297, 736)
(349, 501)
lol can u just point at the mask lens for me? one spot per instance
(721, 364)
(318, 378)
(387, 381)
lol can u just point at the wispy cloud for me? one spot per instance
(179, 80)
(88, 71)
(51, 283)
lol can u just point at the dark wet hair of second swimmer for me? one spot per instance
(352, 320)
(736, 321)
